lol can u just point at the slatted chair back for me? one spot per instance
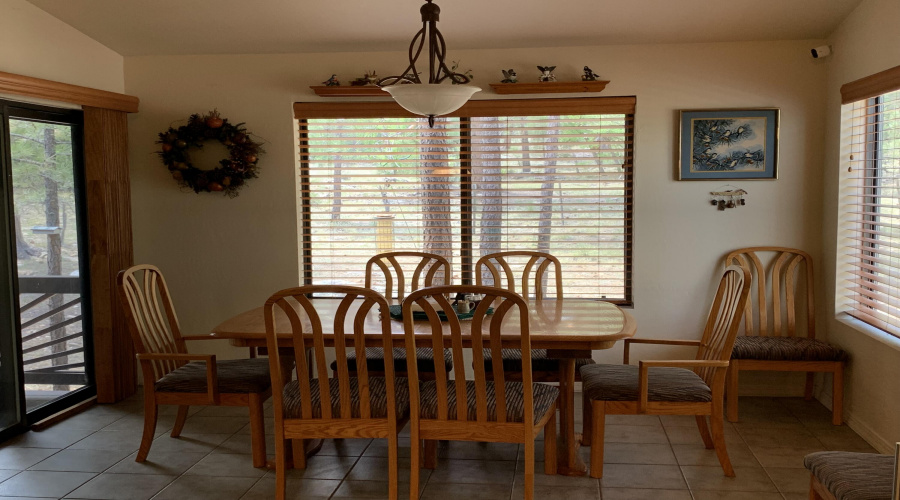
(498, 269)
(151, 316)
(724, 320)
(430, 269)
(509, 311)
(307, 332)
(779, 285)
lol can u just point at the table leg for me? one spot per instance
(570, 462)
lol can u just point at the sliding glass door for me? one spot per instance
(43, 165)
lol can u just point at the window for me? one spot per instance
(870, 209)
(553, 175)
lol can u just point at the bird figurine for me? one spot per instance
(547, 74)
(332, 82)
(589, 75)
(509, 76)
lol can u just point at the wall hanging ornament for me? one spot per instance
(231, 174)
(731, 198)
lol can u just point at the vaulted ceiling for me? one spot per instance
(158, 27)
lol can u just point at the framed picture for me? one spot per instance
(729, 144)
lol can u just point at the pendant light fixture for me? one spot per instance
(437, 97)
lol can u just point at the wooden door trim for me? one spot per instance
(63, 92)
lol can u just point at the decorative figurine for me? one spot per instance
(366, 79)
(332, 82)
(509, 76)
(547, 74)
(589, 75)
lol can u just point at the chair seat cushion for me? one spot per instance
(236, 376)
(620, 383)
(853, 476)
(543, 395)
(512, 361)
(785, 349)
(377, 396)
(375, 360)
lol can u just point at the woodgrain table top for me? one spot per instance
(566, 324)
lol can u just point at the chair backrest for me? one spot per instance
(486, 269)
(508, 307)
(428, 266)
(724, 319)
(775, 273)
(307, 332)
(150, 314)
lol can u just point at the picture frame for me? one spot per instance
(728, 144)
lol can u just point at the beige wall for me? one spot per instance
(34, 43)
(222, 256)
(865, 43)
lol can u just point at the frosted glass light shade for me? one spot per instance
(431, 99)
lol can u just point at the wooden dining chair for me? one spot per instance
(360, 406)
(497, 268)
(496, 410)
(776, 340)
(172, 376)
(673, 387)
(428, 268)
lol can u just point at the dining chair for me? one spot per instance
(172, 376)
(777, 340)
(496, 410)
(673, 387)
(428, 268)
(499, 268)
(360, 406)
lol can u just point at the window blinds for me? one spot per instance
(870, 211)
(473, 185)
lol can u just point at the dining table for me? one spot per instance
(568, 328)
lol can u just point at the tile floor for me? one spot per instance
(91, 455)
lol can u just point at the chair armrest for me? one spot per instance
(628, 343)
(644, 379)
(212, 379)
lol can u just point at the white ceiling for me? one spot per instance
(158, 27)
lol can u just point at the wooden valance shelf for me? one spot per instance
(349, 91)
(549, 87)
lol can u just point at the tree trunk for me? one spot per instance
(487, 190)
(336, 195)
(545, 219)
(54, 249)
(436, 211)
(23, 249)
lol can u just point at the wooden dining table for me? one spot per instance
(568, 328)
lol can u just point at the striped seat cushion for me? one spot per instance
(853, 476)
(620, 383)
(785, 349)
(375, 360)
(236, 376)
(377, 396)
(512, 361)
(544, 397)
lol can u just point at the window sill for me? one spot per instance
(870, 331)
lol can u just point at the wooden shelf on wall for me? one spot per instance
(349, 91)
(549, 87)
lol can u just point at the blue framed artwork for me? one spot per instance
(728, 144)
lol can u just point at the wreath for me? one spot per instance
(231, 174)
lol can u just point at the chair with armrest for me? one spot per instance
(775, 340)
(172, 376)
(843, 475)
(673, 387)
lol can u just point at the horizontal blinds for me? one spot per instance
(870, 219)
(470, 187)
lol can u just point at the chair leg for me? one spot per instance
(598, 429)
(704, 432)
(808, 390)
(150, 413)
(393, 464)
(298, 447)
(731, 391)
(180, 420)
(281, 451)
(837, 394)
(529, 469)
(431, 450)
(257, 430)
(585, 421)
(415, 457)
(717, 423)
(550, 451)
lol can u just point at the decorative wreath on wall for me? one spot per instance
(233, 172)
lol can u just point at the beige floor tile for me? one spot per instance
(545, 492)
(110, 440)
(783, 457)
(638, 453)
(635, 434)
(696, 454)
(23, 458)
(206, 488)
(214, 425)
(135, 424)
(43, 483)
(712, 479)
(242, 444)
(644, 494)
(348, 447)
(371, 489)
(54, 437)
(376, 469)
(736, 495)
(323, 467)
(473, 471)
(678, 421)
(442, 491)
(843, 439)
(223, 411)
(789, 480)
(379, 448)
(122, 487)
(648, 420)
(194, 443)
(665, 477)
(80, 461)
(297, 489)
(691, 434)
(158, 462)
(480, 451)
(795, 436)
(226, 465)
(796, 496)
